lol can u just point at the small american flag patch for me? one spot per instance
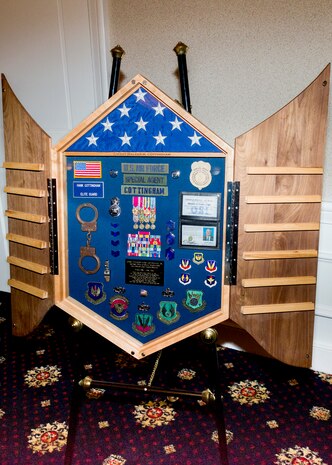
(87, 169)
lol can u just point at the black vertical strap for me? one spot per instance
(181, 49)
(232, 230)
(117, 53)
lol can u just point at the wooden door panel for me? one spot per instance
(27, 163)
(279, 166)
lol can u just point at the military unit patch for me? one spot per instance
(185, 264)
(119, 305)
(143, 324)
(198, 258)
(168, 312)
(95, 293)
(210, 281)
(211, 266)
(194, 301)
(185, 279)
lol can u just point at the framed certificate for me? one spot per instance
(200, 206)
(202, 235)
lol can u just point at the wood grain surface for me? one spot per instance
(279, 164)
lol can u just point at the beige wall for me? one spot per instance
(246, 60)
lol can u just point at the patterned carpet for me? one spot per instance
(274, 414)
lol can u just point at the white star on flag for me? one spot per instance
(160, 139)
(195, 139)
(141, 124)
(140, 95)
(145, 124)
(124, 110)
(92, 140)
(176, 124)
(107, 125)
(159, 110)
(125, 139)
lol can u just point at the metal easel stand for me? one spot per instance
(212, 397)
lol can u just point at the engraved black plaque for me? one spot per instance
(147, 272)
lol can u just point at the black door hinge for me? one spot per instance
(232, 229)
(53, 226)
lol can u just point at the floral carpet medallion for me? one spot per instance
(42, 376)
(95, 393)
(229, 436)
(320, 413)
(249, 392)
(186, 373)
(325, 377)
(123, 361)
(298, 456)
(272, 424)
(114, 460)
(42, 332)
(170, 449)
(154, 414)
(48, 438)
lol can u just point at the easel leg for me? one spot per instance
(209, 337)
(77, 392)
(75, 404)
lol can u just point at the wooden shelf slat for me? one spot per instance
(32, 290)
(25, 191)
(13, 165)
(35, 267)
(37, 243)
(271, 227)
(279, 254)
(283, 170)
(277, 308)
(262, 199)
(284, 281)
(25, 216)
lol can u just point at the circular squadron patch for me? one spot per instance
(119, 305)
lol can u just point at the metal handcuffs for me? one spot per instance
(88, 227)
